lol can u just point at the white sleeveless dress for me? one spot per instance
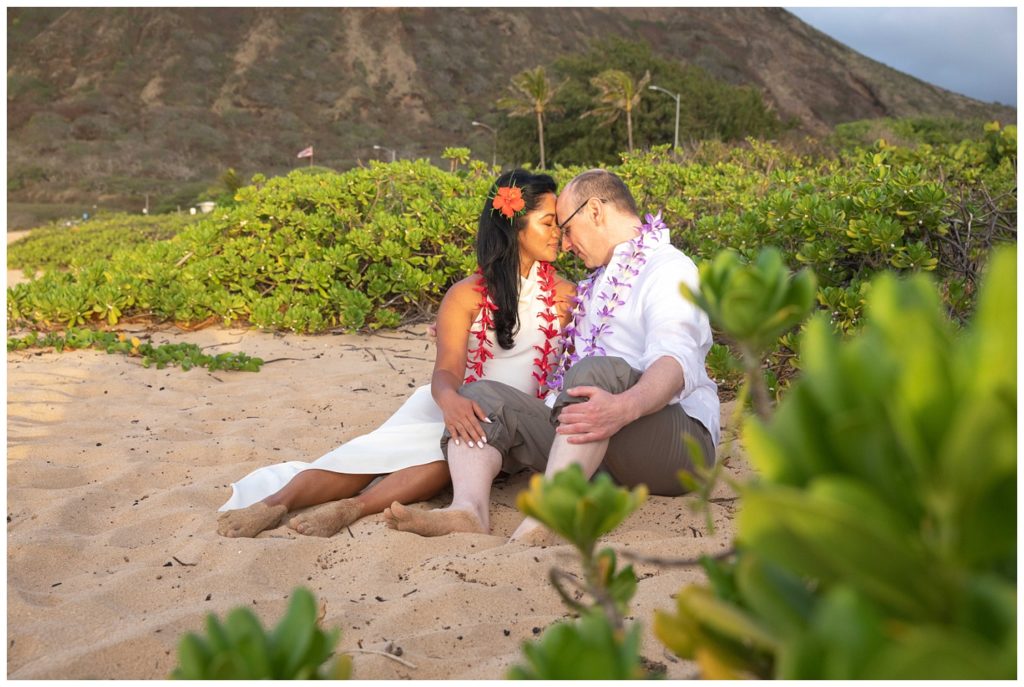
(412, 435)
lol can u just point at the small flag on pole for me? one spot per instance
(307, 152)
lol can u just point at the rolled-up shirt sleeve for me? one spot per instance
(673, 326)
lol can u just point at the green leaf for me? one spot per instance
(725, 618)
(781, 598)
(840, 530)
(589, 649)
(293, 637)
(840, 643)
(576, 509)
(193, 656)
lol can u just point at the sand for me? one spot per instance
(15, 276)
(115, 473)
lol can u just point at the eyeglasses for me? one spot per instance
(562, 225)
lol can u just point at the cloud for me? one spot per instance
(972, 51)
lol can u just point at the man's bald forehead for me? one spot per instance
(600, 183)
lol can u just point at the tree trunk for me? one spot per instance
(540, 135)
(629, 128)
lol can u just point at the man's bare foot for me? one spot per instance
(248, 522)
(431, 523)
(536, 536)
(328, 519)
(532, 533)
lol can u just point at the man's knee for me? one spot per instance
(606, 372)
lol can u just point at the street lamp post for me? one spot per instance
(494, 148)
(377, 147)
(677, 97)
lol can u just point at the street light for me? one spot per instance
(676, 96)
(377, 147)
(494, 148)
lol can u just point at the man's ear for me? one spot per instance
(597, 212)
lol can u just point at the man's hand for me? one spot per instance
(601, 416)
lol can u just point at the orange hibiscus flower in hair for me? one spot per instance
(509, 201)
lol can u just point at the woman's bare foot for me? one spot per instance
(431, 523)
(328, 519)
(248, 522)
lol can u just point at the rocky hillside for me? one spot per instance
(109, 104)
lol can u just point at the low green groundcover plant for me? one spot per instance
(184, 355)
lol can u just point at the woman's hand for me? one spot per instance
(462, 418)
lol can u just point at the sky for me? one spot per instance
(971, 51)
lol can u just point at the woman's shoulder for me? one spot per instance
(465, 290)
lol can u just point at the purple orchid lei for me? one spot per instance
(576, 344)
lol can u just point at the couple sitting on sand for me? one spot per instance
(531, 372)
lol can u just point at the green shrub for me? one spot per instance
(59, 247)
(374, 246)
(597, 645)
(906, 132)
(586, 649)
(240, 649)
(879, 541)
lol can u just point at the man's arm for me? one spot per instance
(604, 413)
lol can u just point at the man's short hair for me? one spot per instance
(600, 183)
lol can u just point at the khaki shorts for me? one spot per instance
(651, 450)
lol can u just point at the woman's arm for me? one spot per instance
(564, 292)
(454, 320)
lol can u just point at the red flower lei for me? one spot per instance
(476, 357)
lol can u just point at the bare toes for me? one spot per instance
(328, 519)
(434, 523)
(250, 521)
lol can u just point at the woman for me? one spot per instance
(502, 323)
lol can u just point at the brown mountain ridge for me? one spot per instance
(107, 103)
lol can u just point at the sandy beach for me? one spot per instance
(115, 473)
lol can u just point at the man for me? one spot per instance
(634, 385)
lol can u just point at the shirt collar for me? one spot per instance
(623, 249)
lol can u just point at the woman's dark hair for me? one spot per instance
(497, 248)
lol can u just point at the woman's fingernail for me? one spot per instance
(470, 444)
(484, 440)
(457, 443)
(487, 420)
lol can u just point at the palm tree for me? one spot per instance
(617, 93)
(531, 94)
